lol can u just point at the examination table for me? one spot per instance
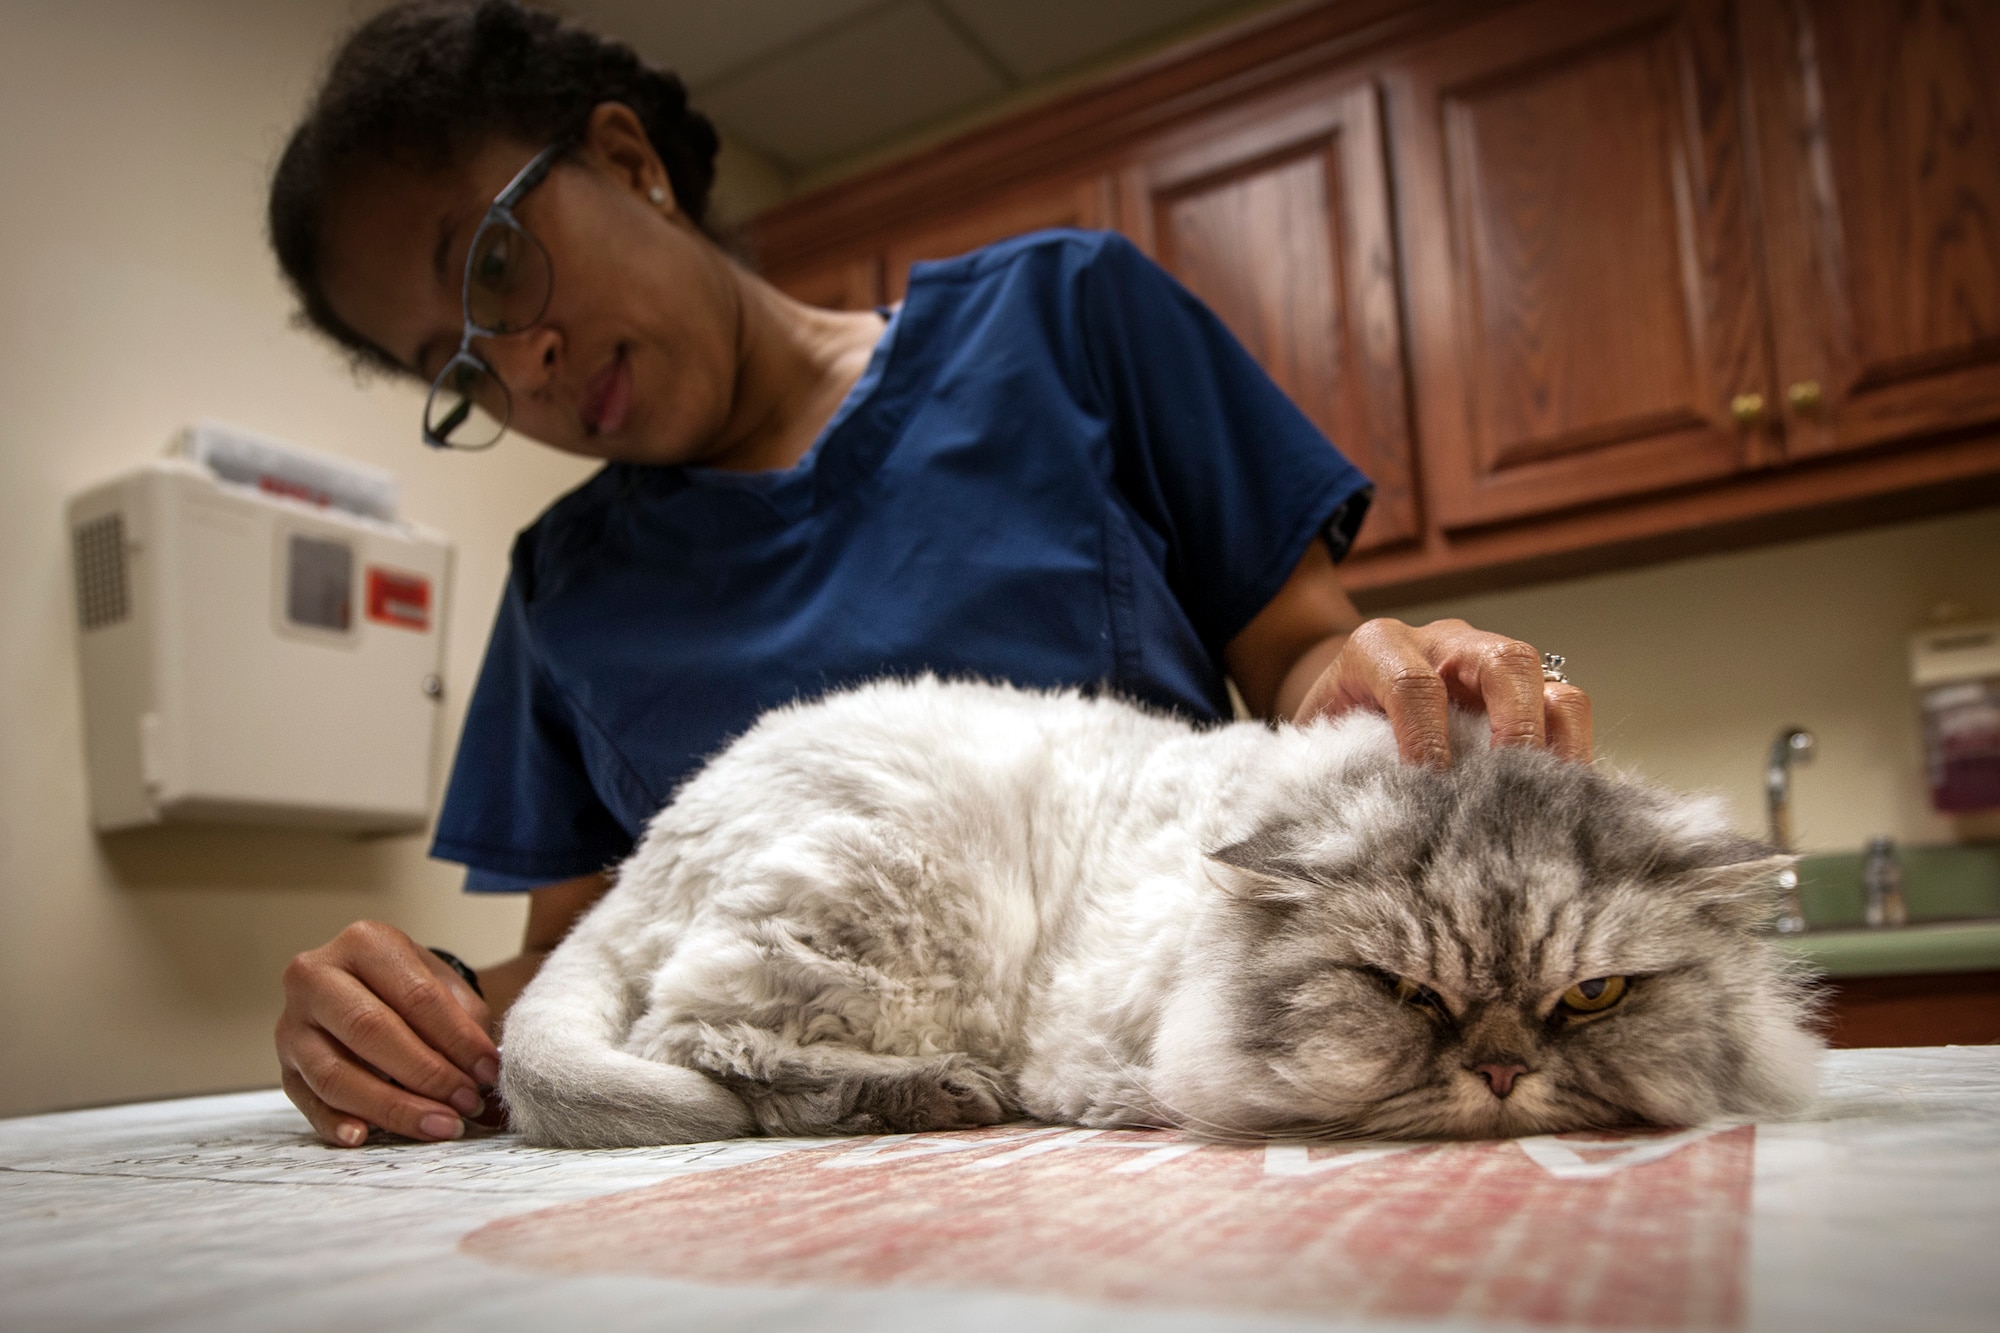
(1879, 1210)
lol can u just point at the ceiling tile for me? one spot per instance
(702, 40)
(1037, 37)
(859, 83)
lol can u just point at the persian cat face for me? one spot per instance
(1519, 946)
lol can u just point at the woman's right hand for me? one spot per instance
(378, 1031)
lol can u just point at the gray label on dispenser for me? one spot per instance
(319, 583)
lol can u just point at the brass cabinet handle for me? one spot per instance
(1804, 397)
(1747, 408)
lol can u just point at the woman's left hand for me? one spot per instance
(1309, 654)
(1413, 672)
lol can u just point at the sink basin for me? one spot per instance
(1954, 899)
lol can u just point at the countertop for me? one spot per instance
(1914, 950)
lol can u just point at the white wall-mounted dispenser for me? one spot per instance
(261, 639)
(1956, 669)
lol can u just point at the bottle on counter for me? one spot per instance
(1882, 879)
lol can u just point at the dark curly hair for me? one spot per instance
(428, 82)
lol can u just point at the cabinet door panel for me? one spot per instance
(1279, 220)
(1585, 304)
(845, 284)
(1880, 124)
(1082, 203)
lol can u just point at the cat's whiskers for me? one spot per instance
(1623, 1113)
(1182, 1119)
(1305, 1133)
(1358, 1106)
(1412, 1111)
(1189, 1121)
(1186, 1120)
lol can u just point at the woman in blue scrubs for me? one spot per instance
(1050, 465)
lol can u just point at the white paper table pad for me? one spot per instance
(1879, 1211)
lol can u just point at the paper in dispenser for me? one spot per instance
(1957, 673)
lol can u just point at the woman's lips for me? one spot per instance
(607, 399)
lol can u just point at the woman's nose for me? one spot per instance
(525, 361)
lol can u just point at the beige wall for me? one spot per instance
(138, 296)
(1693, 667)
(135, 140)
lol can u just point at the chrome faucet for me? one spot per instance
(1793, 746)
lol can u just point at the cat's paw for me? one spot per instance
(953, 1093)
(972, 1095)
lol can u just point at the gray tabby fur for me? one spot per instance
(922, 905)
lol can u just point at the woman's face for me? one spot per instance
(636, 357)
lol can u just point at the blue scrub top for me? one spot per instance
(1059, 469)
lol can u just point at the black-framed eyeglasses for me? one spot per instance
(507, 283)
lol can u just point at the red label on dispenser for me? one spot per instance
(396, 598)
(280, 486)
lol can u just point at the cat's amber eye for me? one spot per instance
(1595, 995)
(1409, 992)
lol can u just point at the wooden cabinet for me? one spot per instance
(1933, 1009)
(1278, 217)
(1579, 284)
(853, 283)
(1880, 154)
(881, 273)
(1084, 202)
(1583, 298)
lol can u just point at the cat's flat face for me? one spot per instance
(1516, 947)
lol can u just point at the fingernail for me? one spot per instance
(437, 1126)
(487, 1070)
(350, 1135)
(467, 1101)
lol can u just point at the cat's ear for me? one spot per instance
(1258, 869)
(1743, 895)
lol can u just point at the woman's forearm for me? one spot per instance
(1300, 678)
(503, 982)
(552, 910)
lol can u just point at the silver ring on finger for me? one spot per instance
(1552, 668)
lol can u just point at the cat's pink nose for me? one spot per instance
(1500, 1078)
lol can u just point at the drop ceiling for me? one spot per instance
(806, 84)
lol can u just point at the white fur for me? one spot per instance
(1059, 960)
(922, 904)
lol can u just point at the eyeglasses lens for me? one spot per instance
(468, 407)
(507, 281)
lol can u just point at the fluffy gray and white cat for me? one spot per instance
(921, 905)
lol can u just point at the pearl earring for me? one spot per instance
(657, 194)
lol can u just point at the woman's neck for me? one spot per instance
(795, 365)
